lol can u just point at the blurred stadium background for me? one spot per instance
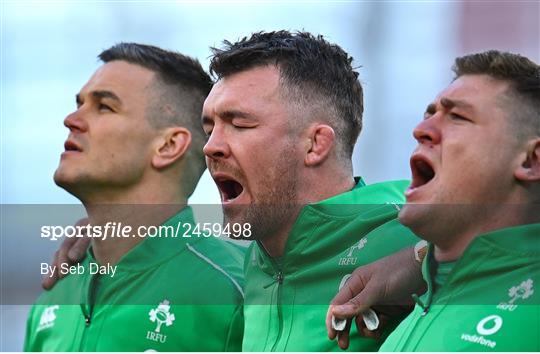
(48, 51)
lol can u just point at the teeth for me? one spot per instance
(70, 147)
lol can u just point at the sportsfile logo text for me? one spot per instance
(114, 229)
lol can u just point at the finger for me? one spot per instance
(355, 284)
(365, 332)
(384, 322)
(370, 334)
(343, 336)
(61, 256)
(329, 328)
(362, 329)
(78, 251)
(348, 310)
(361, 301)
(49, 279)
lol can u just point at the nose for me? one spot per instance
(217, 147)
(427, 131)
(75, 122)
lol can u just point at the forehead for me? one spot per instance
(122, 78)
(254, 91)
(475, 93)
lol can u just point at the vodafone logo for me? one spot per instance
(486, 327)
(489, 325)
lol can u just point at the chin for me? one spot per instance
(60, 178)
(66, 185)
(66, 182)
(433, 222)
(233, 213)
(414, 215)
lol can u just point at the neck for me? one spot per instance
(121, 214)
(121, 224)
(323, 184)
(135, 195)
(276, 241)
(451, 247)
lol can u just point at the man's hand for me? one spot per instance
(72, 250)
(384, 286)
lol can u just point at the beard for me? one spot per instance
(274, 204)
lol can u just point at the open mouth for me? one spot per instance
(229, 189)
(422, 172)
(71, 146)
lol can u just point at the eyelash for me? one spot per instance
(104, 106)
(458, 117)
(208, 133)
(240, 127)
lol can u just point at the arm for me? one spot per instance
(384, 285)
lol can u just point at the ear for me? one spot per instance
(321, 141)
(172, 145)
(529, 170)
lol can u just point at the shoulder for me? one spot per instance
(385, 192)
(390, 192)
(221, 259)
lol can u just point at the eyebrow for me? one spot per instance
(228, 115)
(235, 114)
(431, 108)
(448, 103)
(206, 120)
(100, 95)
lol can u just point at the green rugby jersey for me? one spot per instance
(168, 294)
(287, 298)
(489, 301)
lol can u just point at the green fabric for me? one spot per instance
(487, 303)
(286, 299)
(196, 280)
(443, 270)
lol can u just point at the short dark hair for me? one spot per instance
(182, 85)
(313, 72)
(522, 75)
(172, 67)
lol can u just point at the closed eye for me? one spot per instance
(242, 127)
(243, 123)
(458, 117)
(104, 107)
